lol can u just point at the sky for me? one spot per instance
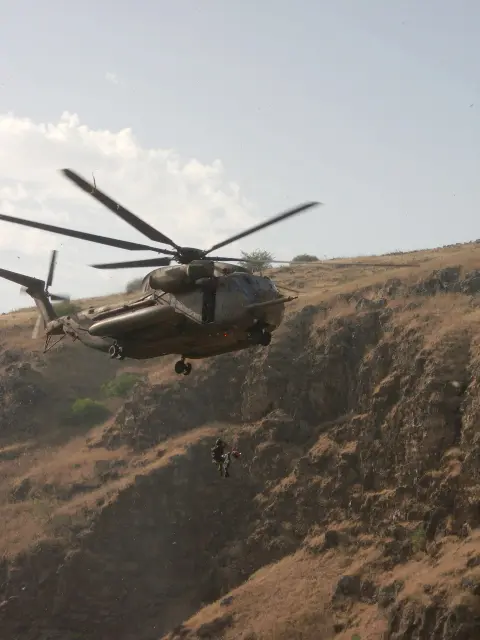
(203, 117)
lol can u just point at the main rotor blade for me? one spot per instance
(287, 262)
(25, 281)
(118, 209)
(51, 269)
(389, 265)
(330, 263)
(81, 235)
(153, 262)
(263, 225)
(345, 265)
(221, 259)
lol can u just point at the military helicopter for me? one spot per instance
(202, 307)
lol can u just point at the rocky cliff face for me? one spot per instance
(359, 433)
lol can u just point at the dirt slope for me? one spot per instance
(355, 509)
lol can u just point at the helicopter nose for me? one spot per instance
(271, 316)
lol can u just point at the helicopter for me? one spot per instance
(203, 306)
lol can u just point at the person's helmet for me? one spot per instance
(218, 442)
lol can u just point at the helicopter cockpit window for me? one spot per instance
(239, 283)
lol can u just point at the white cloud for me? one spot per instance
(112, 78)
(182, 197)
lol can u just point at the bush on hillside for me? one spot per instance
(121, 385)
(66, 308)
(305, 257)
(86, 412)
(257, 260)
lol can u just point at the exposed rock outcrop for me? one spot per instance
(360, 452)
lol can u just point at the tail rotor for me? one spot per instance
(54, 297)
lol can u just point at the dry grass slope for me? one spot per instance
(355, 509)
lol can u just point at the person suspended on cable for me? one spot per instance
(218, 450)
(222, 459)
(227, 460)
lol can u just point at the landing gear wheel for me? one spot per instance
(116, 351)
(265, 338)
(182, 367)
(260, 337)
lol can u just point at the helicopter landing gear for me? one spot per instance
(182, 367)
(116, 352)
(259, 336)
(265, 339)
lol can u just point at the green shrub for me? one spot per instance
(305, 257)
(257, 260)
(66, 308)
(121, 386)
(419, 539)
(87, 412)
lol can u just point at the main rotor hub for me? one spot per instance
(186, 255)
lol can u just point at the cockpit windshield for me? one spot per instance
(242, 282)
(271, 284)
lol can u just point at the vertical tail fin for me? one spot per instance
(38, 290)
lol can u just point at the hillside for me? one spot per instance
(355, 509)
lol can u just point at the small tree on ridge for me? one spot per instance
(257, 260)
(305, 257)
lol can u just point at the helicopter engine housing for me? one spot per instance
(179, 278)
